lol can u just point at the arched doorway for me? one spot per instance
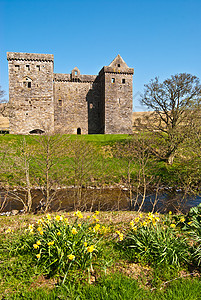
(36, 131)
(79, 131)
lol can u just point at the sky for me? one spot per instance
(156, 38)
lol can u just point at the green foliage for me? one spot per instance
(191, 223)
(150, 241)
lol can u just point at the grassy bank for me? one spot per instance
(107, 255)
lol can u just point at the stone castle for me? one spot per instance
(41, 100)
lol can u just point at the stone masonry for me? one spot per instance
(42, 101)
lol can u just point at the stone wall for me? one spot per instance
(30, 92)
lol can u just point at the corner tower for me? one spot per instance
(118, 97)
(30, 92)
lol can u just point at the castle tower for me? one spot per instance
(118, 97)
(31, 92)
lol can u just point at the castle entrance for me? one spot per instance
(79, 131)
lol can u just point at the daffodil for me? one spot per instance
(90, 248)
(97, 227)
(38, 243)
(59, 233)
(38, 255)
(59, 218)
(9, 230)
(182, 219)
(35, 246)
(71, 256)
(74, 230)
(48, 217)
(172, 225)
(97, 212)
(78, 214)
(50, 243)
(85, 244)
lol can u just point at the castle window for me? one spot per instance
(17, 67)
(123, 80)
(79, 131)
(91, 105)
(118, 65)
(75, 72)
(28, 67)
(27, 114)
(60, 102)
(29, 84)
(113, 80)
(38, 68)
(119, 100)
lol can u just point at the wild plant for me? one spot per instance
(149, 240)
(59, 245)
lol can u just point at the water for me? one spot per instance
(97, 199)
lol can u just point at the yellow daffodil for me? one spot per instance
(170, 213)
(48, 217)
(74, 230)
(50, 243)
(121, 236)
(88, 217)
(97, 212)
(71, 256)
(79, 225)
(35, 246)
(85, 244)
(31, 227)
(38, 243)
(38, 255)
(90, 248)
(189, 223)
(9, 230)
(59, 233)
(59, 218)
(39, 228)
(131, 223)
(97, 227)
(182, 219)
(78, 214)
(172, 225)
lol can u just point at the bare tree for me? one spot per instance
(175, 105)
(47, 166)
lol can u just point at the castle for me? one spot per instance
(41, 100)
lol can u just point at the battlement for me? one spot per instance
(29, 56)
(68, 77)
(108, 69)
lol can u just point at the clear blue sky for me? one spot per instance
(156, 38)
